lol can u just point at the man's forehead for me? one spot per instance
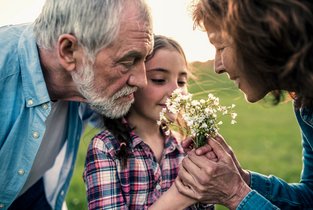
(135, 11)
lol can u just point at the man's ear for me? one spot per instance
(67, 51)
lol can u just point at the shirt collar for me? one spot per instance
(34, 85)
(307, 115)
(170, 144)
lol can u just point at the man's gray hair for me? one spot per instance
(95, 23)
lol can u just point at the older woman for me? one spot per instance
(264, 46)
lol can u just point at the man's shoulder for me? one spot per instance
(9, 43)
(10, 34)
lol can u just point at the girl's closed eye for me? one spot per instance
(182, 83)
(182, 79)
(158, 81)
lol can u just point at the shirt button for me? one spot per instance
(158, 187)
(62, 192)
(30, 102)
(35, 135)
(21, 172)
(45, 106)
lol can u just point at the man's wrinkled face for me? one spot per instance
(110, 81)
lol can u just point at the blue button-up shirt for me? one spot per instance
(24, 107)
(270, 192)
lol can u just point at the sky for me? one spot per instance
(170, 17)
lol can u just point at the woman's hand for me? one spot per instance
(187, 144)
(216, 182)
(208, 149)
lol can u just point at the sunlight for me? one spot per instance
(170, 17)
(19, 11)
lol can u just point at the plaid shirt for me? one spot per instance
(136, 186)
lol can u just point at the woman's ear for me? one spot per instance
(67, 47)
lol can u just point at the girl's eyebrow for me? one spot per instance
(184, 73)
(159, 69)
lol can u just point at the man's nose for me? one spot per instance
(138, 76)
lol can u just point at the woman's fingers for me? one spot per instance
(204, 149)
(187, 144)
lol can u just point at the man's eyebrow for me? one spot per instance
(131, 54)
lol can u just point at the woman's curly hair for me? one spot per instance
(274, 37)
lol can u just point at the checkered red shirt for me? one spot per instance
(136, 186)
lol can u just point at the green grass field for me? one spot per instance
(266, 138)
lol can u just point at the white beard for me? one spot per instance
(109, 107)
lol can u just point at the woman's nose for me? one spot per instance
(218, 63)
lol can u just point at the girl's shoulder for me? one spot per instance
(105, 142)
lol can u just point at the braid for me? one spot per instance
(122, 133)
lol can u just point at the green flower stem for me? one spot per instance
(200, 140)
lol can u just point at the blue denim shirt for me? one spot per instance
(270, 192)
(24, 107)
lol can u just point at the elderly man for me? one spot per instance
(76, 52)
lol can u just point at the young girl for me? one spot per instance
(133, 164)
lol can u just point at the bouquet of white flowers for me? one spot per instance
(197, 119)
